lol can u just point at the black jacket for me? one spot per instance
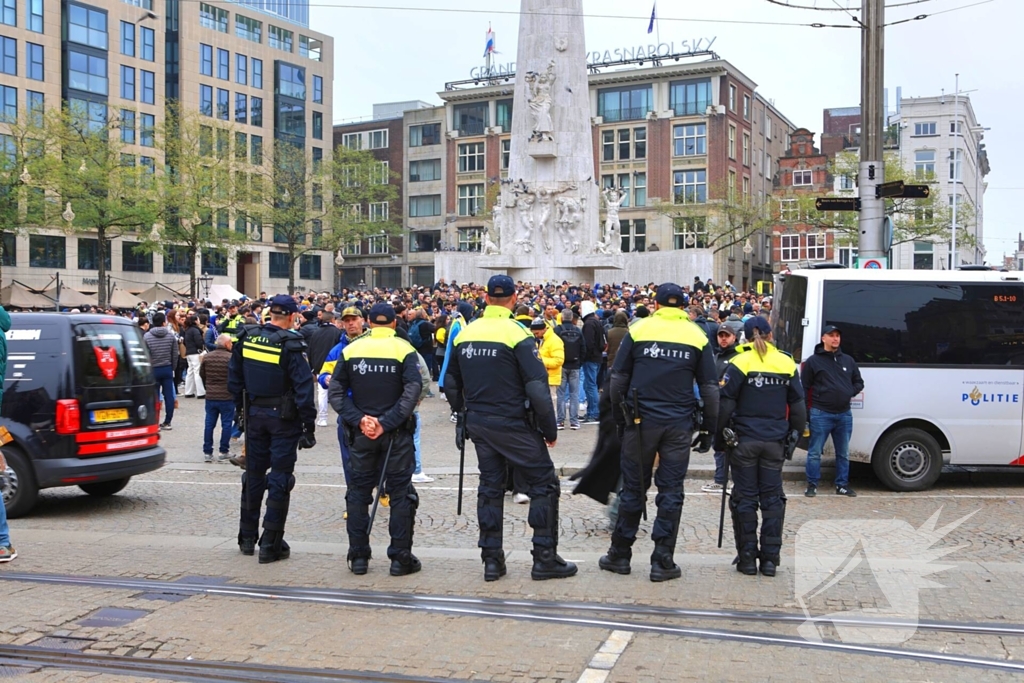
(723, 357)
(308, 328)
(830, 380)
(593, 339)
(323, 340)
(193, 341)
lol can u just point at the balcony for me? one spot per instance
(632, 114)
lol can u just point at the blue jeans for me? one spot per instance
(839, 426)
(569, 394)
(346, 465)
(721, 468)
(416, 444)
(225, 410)
(164, 376)
(590, 387)
(5, 531)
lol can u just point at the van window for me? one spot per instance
(928, 323)
(788, 328)
(109, 356)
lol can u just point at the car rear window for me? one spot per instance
(111, 355)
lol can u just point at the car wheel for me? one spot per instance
(105, 488)
(908, 459)
(18, 483)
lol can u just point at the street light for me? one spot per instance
(25, 176)
(339, 260)
(205, 281)
(68, 214)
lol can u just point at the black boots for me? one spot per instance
(616, 560)
(769, 564)
(273, 547)
(359, 563)
(405, 563)
(746, 562)
(548, 565)
(247, 544)
(663, 567)
(494, 565)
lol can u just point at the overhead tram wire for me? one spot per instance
(921, 17)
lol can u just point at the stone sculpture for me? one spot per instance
(524, 205)
(570, 214)
(613, 198)
(489, 247)
(540, 101)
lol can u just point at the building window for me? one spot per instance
(87, 26)
(816, 247)
(257, 73)
(608, 145)
(379, 212)
(639, 143)
(223, 64)
(506, 154)
(732, 98)
(205, 141)
(9, 97)
(127, 83)
(471, 198)
(789, 210)
(91, 114)
(746, 149)
(318, 126)
(223, 143)
(205, 59)
(801, 178)
(690, 140)
(790, 248)
(148, 37)
(847, 256)
(291, 118)
(147, 130)
(241, 108)
(690, 187)
(318, 157)
(624, 104)
(280, 265)
(379, 244)
(378, 139)
(127, 126)
(241, 147)
(148, 93)
(624, 186)
(768, 127)
(9, 55)
(206, 100)
(291, 81)
(353, 248)
(690, 98)
(425, 135)
(215, 261)
(924, 256)
(634, 235)
(256, 149)
(956, 158)
(89, 254)
(471, 157)
(176, 259)
(924, 164)
(127, 39)
(279, 38)
(624, 144)
(10, 249)
(247, 28)
(86, 72)
(471, 119)
(318, 89)
(309, 267)
(256, 112)
(504, 113)
(213, 17)
(924, 129)
(424, 170)
(732, 142)
(223, 105)
(746, 107)
(423, 206)
(310, 48)
(956, 128)
(135, 260)
(470, 239)
(352, 141)
(35, 16)
(148, 164)
(846, 181)
(35, 61)
(45, 251)
(690, 233)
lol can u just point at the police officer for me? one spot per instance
(269, 375)
(382, 372)
(652, 381)
(232, 322)
(498, 386)
(759, 385)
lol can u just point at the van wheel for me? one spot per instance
(18, 483)
(908, 459)
(105, 488)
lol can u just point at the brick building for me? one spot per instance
(803, 173)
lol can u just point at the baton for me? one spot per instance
(462, 468)
(640, 448)
(380, 487)
(730, 445)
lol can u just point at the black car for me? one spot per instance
(81, 405)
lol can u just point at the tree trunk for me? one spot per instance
(101, 248)
(291, 268)
(193, 251)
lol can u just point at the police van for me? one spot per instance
(80, 407)
(941, 354)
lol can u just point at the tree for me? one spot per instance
(319, 204)
(101, 184)
(201, 189)
(719, 223)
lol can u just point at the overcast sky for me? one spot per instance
(394, 52)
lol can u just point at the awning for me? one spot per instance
(159, 292)
(123, 299)
(17, 295)
(70, 298)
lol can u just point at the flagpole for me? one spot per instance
(489, 54)
(657, 25)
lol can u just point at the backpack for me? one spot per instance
(572, 337)
(415, 338)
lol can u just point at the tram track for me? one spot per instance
(637, 618)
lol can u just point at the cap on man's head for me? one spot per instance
(538, 324)
(382, 314)
(309, 314)
(282, 304)
(725, 329)
(762, 326)
(829, 329)
(351, 312)
(501, 286)
(748, 308)
(670, 294)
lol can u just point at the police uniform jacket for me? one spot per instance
(494, 368)
(382, 371)
(763, 396)
(266, 362)
(661, 357)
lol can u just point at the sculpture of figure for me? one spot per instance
(540, 101)
(524, 204)
(613, 198)
(544, 200)
(570, 213)
(489, 248)
(498, 221)
(602, 248)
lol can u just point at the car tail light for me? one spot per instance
(159, 405)
(69, 416)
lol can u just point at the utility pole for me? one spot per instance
(872, 167)
(954, 260)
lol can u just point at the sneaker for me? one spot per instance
(166, 426)
(812, 490)
(574, 426)
(208, 457)
(561, 426)
(223, 457)
(712, 488)
(321, 423)
(421, 478)
(520, 498)
(453, 419)
(7, 553)
(845, 491)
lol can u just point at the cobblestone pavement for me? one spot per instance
(181, 521)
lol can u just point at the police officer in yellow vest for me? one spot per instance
(762, 401)
(498, 385)
(658, 363)
(233, 321)
(375, 387)
(270, 379)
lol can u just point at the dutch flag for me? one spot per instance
(654, 13)
(490, 49)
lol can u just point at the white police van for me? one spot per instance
(942, 356)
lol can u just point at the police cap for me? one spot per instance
(351, 312)
(282, 304)
(501, 286)
(382, 314)
(758, 323)
(670, 294)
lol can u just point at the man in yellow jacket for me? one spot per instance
(552, 354)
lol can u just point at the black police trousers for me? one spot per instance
(757, 481)
(500, 441)
(270, 443)
(672, 444)
(366, 457)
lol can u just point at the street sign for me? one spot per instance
(890, 189)
(837, 204)
(880, 263)
(916, 192)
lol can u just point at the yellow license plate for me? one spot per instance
(111, 415)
